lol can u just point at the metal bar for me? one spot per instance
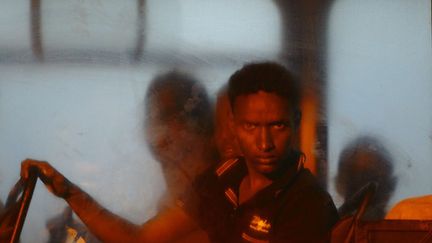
(25, 203)
(35, 29)
(139, 46)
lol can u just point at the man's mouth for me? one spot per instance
(266, 160)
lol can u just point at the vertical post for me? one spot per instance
(140, 34)
(35, 29)
(304, 25)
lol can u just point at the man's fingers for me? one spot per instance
(30, 164)
(53, 179)
(26, 166)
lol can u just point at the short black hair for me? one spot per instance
(192, 104)
(270, 77)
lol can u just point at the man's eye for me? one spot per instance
(249, 126)
(279, 126)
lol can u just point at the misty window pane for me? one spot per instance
(238, 29)
(83, 112)
(14, 28)
(379, 84)
(89, 25)
(88, 122)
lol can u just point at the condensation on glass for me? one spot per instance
(74, 76)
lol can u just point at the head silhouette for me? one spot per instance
(362, 161)
(179, 128)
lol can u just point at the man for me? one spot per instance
(179, 130)
(264, 195)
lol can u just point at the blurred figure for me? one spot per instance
(179, 129)
(224, 138)
(57, 226)
(64, 228)
(362, 161)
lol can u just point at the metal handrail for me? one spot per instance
(29, 186)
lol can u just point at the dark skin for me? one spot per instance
(263, 126)
(167, 226)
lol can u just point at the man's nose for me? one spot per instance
(265, 140)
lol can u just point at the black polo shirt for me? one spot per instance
(293, 208)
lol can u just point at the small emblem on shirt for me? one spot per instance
(259, 224)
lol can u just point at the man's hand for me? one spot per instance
(167, 226)
(54, 180)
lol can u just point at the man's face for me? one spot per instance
(166, 131)
(263, 125)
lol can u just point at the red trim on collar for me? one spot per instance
(232, 197)
(226, 166)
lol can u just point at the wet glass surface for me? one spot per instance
(74, 77)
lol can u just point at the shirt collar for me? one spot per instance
(231, 172)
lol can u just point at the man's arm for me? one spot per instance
(108, 227)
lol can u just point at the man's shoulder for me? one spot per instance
(306, 180)
(307, 188)
(221, 170)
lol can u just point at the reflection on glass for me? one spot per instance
(82, 106)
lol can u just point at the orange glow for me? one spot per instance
(308, 134)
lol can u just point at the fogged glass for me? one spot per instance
(15, 30)
(73, 92)
(79, 102)
(88, 29)
(379, 95)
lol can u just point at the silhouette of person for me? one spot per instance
(362, 161)
(179, 129)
